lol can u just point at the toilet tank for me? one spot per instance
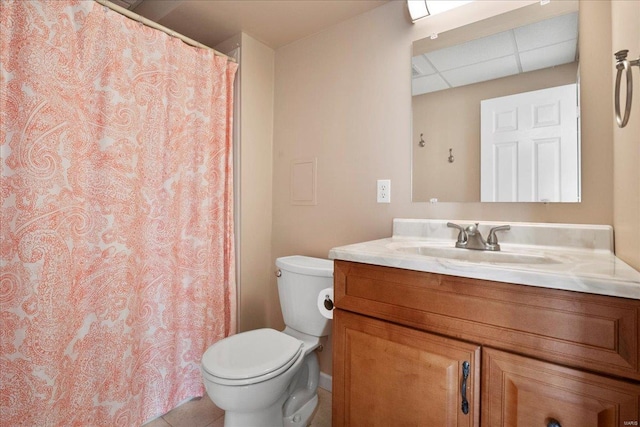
(300, 281)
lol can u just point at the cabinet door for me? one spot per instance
(522, 392)
(390, 375)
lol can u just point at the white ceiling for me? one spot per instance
(273, 22)
(535, 46)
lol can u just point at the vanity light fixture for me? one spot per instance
(419, 9)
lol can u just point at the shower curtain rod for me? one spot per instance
(150, 23)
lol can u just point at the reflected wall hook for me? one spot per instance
(622, 64)
(451, 158)
(421, 142)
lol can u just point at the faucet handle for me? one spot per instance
(462, 235)
(493, 239)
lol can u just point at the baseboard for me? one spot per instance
(325, 381)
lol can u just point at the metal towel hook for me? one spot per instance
(622, 64)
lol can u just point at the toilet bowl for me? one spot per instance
(265, 377)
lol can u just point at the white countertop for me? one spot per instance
(583, 258)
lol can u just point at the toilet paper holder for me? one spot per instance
(328, 304)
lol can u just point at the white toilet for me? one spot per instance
(267, 378)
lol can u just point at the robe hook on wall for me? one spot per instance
(421, 142)
(622, 64)
(450, 155)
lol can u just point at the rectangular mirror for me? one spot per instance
(495, 109)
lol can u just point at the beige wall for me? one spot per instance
(451, 119)
(626, 141)
(257, 301)
(344, 96)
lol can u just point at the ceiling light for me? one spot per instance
(421, 8)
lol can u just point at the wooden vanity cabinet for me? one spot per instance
(392, 375)
(519, 391)
(536, 355)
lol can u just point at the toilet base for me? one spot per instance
(268, 417)
(272, 417)
(303, 415)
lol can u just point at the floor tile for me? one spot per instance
(201, 412)
(322, 417)
(158, 422)
(217, 423)
(195, 413)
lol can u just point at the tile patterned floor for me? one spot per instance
(201, 412)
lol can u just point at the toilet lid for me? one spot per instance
(250, 354)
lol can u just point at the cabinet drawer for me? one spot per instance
(518, 391)
(594, 332)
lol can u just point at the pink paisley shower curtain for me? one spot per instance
(116, 240)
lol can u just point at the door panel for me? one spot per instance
(386, 375)
(540, 130)
(522, 392)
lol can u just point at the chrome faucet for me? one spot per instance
(470, 237)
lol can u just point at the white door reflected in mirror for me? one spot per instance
(529, 147)
(526, 49)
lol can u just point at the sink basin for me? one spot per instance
(438, 250)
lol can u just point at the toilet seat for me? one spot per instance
(251, 357)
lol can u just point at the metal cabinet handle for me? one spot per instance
(463, 388)
(553, 423)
